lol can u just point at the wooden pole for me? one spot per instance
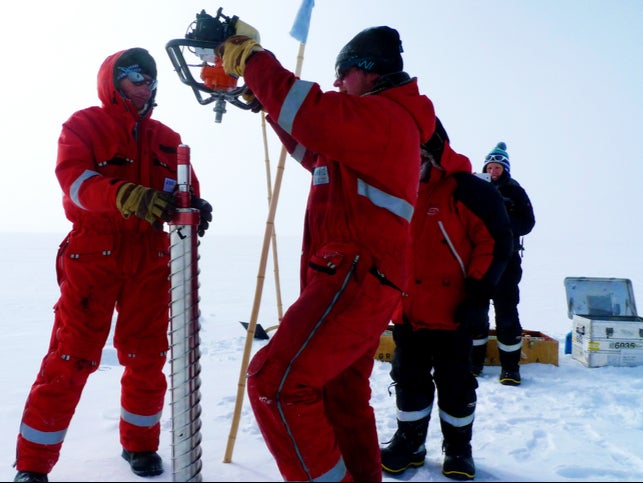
(250, 333)
(275, 258)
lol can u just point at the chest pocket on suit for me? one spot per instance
(163, 172)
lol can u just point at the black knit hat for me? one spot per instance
(136, 59)
(376, 49)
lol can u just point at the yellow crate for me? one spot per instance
(536, 347)
(386, 347)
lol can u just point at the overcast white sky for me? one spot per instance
(559, 82)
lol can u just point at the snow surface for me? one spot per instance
(564, 423)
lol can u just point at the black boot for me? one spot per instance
(510, 378)
(458, 461)
(31, 476)
(478, 356)
(407, 446)
(459, 466)
(510, 372)
(144, 463)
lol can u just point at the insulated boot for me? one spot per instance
(478, 355)
(31, 476)
(509, 362)
(458, 462)
(510, 378)
(407, 446)
(459, 466)
(144, 463)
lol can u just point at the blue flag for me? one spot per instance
(301, 25)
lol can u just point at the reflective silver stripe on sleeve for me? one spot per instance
(139, 420)
(78, 182)
(42, 437)
(395, 205)
(299, 153)
(292, 103)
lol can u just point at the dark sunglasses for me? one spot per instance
(340, 72)
(343, 67)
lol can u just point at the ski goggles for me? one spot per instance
(496, 158)
(137, 78)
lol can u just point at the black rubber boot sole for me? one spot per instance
(145, 463)
(396, 464)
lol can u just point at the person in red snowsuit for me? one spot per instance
(462, 242)
(113, 161)
(309, 386)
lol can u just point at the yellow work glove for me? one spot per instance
(252, 101)
(234, 53)
(242, 28)
(151, 205)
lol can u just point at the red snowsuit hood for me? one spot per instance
(451, 162)
(109, 95)
(460, 230)
(101, 148)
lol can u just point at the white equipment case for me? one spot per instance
(606, 329)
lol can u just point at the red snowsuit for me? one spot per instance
(458, 233)
(309, 386)
(106, 263)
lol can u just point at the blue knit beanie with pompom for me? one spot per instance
(498, 155)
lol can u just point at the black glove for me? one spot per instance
(205, 210)
(473, 312)
(510, 205)
(148, 204)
